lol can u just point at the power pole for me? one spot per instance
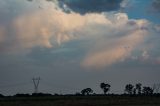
(36, 84)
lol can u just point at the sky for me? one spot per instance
(76, 44)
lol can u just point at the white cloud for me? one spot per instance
(45, 28)
(125, 3)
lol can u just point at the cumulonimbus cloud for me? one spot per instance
(113, 36)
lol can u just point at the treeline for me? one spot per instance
(28, 95)
(129, 89)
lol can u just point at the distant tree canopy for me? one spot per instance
(139, 88)
(105, 87)
(147, 90)
(129, 89)
(87, 91)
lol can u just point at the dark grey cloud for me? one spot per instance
(156, 5)
(89, 6)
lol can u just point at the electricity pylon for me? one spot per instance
(36, 84)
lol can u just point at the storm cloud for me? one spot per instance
(112, 36)
(90, 6)
(156, 5)
(109, 37)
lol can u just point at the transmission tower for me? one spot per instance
(36, 84)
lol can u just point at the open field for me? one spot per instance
(81, 101)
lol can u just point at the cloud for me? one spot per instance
(109, 38)
(125, 3)
(145, 55)
(157, 28)
(117, 46)
(2, 33)
(90, 6)
(46, 28)
(36, 29)
(156, 5)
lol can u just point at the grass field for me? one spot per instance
(81, 101)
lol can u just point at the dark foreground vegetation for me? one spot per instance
(80, 100)
(134, 95)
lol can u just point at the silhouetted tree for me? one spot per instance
(139, 88)
(87, 91)
(105, 87)
(134, 91)
(147, 90)
(1, 95)
(22, 95)
(129, 88)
